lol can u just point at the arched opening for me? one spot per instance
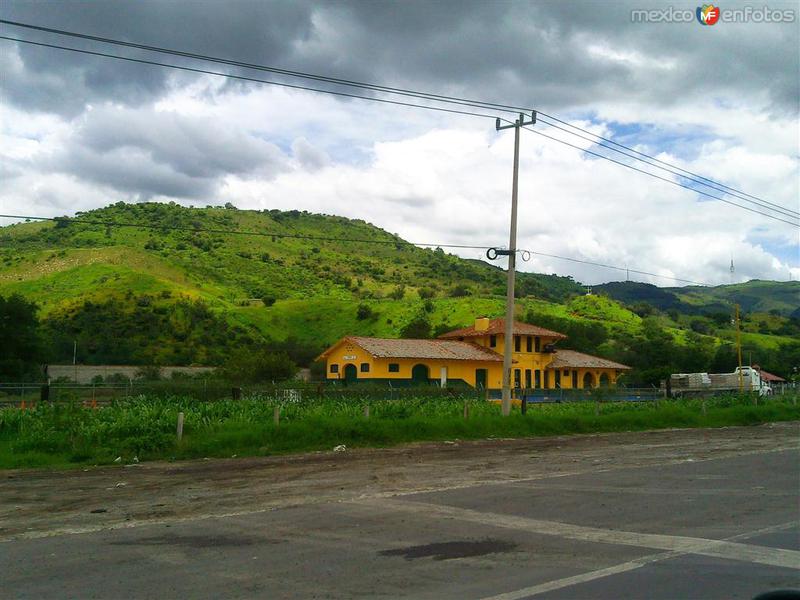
(350, 373)
(420, 374)
(588, 380)
(480, 378)
(604, 382)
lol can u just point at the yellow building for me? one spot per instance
(474, 356)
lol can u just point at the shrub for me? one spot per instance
(364, 312)
(149, 373)
(459, 291)
(398, 292)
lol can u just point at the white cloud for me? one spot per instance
(426, 176)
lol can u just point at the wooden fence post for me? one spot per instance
(276, 415)
(366, 411)
(703, 405)
(180, 426)
(466, 409)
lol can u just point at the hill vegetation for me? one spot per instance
(159, 283)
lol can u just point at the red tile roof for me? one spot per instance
(570, 359)
(498, 327)
(768, 376)
(423, 349)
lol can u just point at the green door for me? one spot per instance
(480, 379)
(419, 374)
(350, 373)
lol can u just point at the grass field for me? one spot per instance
(143, 428)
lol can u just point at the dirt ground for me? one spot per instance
(36, 503)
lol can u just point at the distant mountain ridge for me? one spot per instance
(753, 296)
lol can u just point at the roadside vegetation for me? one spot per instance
(144, 427)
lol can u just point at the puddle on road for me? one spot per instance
(451, 550)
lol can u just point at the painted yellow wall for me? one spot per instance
(348, 353)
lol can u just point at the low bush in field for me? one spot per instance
(145, 427)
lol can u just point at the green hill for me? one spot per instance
(161, 283)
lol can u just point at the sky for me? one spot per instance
(79, 132)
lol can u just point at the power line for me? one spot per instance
(699, 179)
(252, 79)
(616, 268)
(277, 235)
(674, 171)
(438, 98)
(269, 234)
(270, 69)
(382, 100)
(677, 183)
(658, 160)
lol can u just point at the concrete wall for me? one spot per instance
(85, 373)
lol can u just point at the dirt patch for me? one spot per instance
(37, 503)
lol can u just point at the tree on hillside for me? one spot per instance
(418, 328)
(144, 330)
(21, 352)
(251, 365)
(582, 336)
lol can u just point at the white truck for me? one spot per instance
(746, 379)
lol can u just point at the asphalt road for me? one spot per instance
(726, 527)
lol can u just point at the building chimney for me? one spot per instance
(481, 323)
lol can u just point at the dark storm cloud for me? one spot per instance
(539, 53)
(134, 172)
(150, 153)
(192, 146)
(57, 81)
(521, 53)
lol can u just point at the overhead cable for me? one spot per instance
(698, 179)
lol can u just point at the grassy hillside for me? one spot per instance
(177, 288)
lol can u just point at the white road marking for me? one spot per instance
(617, 489)
(558, 584)
(776, 557)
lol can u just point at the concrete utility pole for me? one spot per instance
(508, 339)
